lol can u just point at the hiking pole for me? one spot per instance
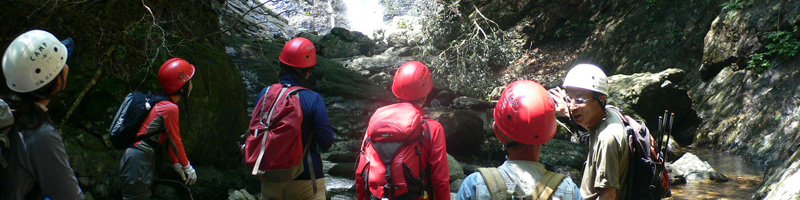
(664, 129)
(659, 134)
(671, 118)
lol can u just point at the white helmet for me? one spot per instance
(587, 76)
(32, 60)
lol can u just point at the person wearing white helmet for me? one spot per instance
(35, 69)
(583, 100)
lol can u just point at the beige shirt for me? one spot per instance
(607, 162)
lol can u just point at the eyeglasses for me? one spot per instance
(577, 101)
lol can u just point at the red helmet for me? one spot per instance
(174, 74)
(525, 113)
(299, 52)
(412, 81)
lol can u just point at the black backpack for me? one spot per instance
(6, 120)
(647, 176)
(130, 116)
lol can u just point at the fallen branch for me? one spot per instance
(81, 95)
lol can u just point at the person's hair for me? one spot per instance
(27, 115)
(416, 101)
(297, 74)
(597, 96)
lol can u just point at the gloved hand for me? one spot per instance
(179, 168)
(191, 175)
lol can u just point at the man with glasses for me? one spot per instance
(583, 100)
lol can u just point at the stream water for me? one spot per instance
(745, 178)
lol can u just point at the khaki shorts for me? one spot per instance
(297, 189)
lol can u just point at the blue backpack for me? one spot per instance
(130, 116)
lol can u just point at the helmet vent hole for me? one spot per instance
(55, 49)
(509, 117)
(62, 58)
(38, 70)
(536, 136)
(13, 85)
(306, 56)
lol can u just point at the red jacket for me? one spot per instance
(164, 117)
(436, 148)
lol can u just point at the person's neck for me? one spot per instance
(525, 152)
(175, 97)
(44, 102)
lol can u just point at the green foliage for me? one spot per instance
(758, 63)
(735, 5)
(466, 51)
(783, 44)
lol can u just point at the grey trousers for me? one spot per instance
(137, 169)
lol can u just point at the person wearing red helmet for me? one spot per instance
(297, 59)
(524, 121)
(412, 83)
(161, 129)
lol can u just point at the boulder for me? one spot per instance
(342, 156)
(464, 102)
(694, 169)
(649, 94)
(455, 185)
(386, 62)
(456, 172)
(443, 99)
(241, 194)
(343, 170)
(342, 43)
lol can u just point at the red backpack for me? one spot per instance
(392, 162)
(274, 145)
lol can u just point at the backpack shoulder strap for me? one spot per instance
(622, 116)
(495, 182)
(548, 185)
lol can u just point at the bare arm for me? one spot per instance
(608, 194)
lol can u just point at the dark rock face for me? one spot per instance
(341, 43)
(465, 130)
(754, 115)
(648, 95)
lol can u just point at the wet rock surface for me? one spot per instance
(694, 169)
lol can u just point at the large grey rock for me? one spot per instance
(694, 169)
(240, 195)
(456, 172)
(387, 62)
(342, 43)
(247, 19)
(343, 156)
(455, 185)
(343, 170)
(649, 94)
(783, 185)
(471, 103)
(736, 34)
